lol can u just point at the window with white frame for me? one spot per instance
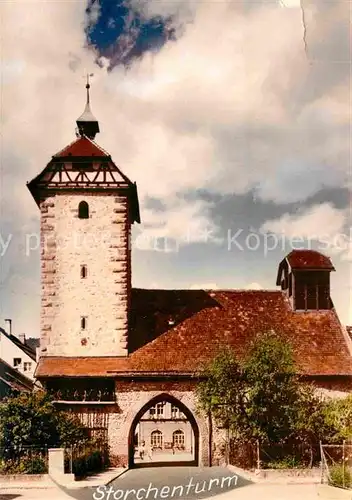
(178, 439)
(156, 439)
(160, 409)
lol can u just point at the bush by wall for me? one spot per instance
(341, 477)
(87, 460)
(29, 463)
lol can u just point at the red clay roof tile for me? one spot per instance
(309, 259)
(203, 321)
(82, 147)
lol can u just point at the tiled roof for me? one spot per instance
(33, 343)
(82, 147)
(203, 321)
(13, 378)
(309, 259)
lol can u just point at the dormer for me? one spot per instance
(304, 275)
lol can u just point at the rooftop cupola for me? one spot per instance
(87, 123)
(304, 275)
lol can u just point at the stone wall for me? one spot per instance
(101, 243)
(331, 387)
(130, 403)
(119, 419)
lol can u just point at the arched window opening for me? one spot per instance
(178, 439)
(83, 271)
(156, 439)
(83, 210)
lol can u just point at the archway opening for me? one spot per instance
(163, 433)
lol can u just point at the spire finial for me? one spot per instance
(87, 123)
(88, 85)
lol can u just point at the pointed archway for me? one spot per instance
(191, 460)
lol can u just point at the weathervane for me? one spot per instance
(87, 124)
(87, 76)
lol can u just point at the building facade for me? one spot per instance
(114, 354)
(19, 353)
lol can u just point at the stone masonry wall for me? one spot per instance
(131, 402)
(133, 395)
(101, 243)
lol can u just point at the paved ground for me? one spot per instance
(158, 478)
(260, 492)
(165, 457)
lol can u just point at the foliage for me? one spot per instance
(340, 476)
(272, 389)
(223, 390)
(338, 415)
(261, 398)
(29, 463)
(32, 420)
(87, 460)
(288, 462)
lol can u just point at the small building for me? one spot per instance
(19, 352)
(164, 427)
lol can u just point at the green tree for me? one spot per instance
(32, 420)
(271, 387)
(223, 391)
(260, 397)
(338, 416)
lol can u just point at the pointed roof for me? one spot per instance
(82, 147)
(87, 123)
(87, 115)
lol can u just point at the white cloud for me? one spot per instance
(197, 115)
(323, 225)
(204, 286)
(254, 286)
(180, 224)
(232, 105)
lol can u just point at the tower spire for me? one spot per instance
(87, 123)
(88, 86)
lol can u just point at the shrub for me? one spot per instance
(87, 461)
(27, 464)
(340, 477)
(32, 420)
(288, 462)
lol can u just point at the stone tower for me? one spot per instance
(87, 206)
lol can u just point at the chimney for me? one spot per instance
(9, 321)
(22, 337)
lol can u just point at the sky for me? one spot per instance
(234, 119)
